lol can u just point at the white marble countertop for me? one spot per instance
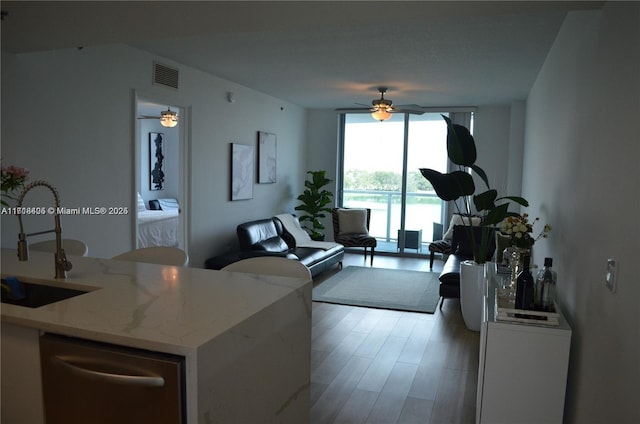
(160, 308)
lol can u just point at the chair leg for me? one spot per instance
(372, 249)
(441, 302)
(431, 260)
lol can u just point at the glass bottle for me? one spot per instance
(545, 290)
(525, 286)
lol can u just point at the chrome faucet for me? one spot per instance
(61, 263)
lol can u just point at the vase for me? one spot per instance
(513, 257)
(472, 282)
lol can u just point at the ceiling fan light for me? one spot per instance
(381, 114)
(168, 118)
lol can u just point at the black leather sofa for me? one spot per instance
(461, 250)
(267, 237)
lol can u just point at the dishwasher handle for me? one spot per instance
(131, 380)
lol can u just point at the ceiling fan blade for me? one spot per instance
(414, 109)
(354, 110)
(148, 117)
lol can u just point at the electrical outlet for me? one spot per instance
(612, 274)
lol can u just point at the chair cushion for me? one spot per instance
(440, 246)
(352, 221)
(357, 240)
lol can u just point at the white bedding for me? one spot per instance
(158, 228)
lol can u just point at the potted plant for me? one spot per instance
(461, 150)
(492, 209)
(315, 203)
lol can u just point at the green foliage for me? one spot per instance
(461, 149)
(315, 203)
(384, 181)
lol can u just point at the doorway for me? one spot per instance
(160, 182)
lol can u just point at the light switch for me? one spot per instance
(612, 274)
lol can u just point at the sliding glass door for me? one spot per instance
(380, 171)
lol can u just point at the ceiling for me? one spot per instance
(319, 54)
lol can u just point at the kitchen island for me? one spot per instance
(246, 338)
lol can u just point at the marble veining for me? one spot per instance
(162, 308)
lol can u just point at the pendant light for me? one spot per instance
(168, 118)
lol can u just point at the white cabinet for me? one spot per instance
(523, 369)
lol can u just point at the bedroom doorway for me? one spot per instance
(160, 192)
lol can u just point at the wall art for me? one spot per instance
(156, 161)
(242, 169)
(266, 157)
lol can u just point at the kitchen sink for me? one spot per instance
(33, 295)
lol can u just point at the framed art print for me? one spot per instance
(242, 166)
(266, 158)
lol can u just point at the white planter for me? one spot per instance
(471, 293)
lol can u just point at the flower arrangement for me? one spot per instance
(13, 178)
(520, 230)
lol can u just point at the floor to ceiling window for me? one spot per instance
(380, 171)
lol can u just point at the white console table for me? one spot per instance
(523, 367)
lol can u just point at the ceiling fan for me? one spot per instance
(381, 109)
(168, 118)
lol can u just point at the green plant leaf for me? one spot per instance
(485, 201)
(519, 200)
(481, 174)
(461, 147)
(496, 215)
(449, 186)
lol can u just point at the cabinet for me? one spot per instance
(523, 368)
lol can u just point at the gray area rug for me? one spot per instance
(415, 291)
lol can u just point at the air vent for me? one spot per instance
(165, 75)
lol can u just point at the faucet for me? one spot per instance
(62, 265)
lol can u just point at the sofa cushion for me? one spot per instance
(250, 233)
(272, 244)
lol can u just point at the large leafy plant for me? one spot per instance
(459, 184)
(315, 203)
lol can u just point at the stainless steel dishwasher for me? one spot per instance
(90, 382)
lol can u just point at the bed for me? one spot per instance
(159, 227)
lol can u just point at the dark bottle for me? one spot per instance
(545, 289)
(525, 286)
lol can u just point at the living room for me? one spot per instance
(68, 115)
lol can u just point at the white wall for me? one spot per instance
(68, 116)
(580, 168)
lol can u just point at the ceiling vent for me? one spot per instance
(165, 75)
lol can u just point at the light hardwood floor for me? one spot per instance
(382, 366)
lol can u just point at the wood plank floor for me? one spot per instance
(382, 366)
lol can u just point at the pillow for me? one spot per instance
(168, 204)
(141, 206)
(352, 221)
(457, 219)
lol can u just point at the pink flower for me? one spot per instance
(13, 178)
